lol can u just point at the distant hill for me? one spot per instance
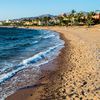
(31, 18)
(46, 15)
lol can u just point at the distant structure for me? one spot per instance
(97, 15)
(0, 23)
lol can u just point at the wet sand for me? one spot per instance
(74, 74)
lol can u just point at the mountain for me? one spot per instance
(46, 15)
(31, 18)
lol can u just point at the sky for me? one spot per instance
(11, 9)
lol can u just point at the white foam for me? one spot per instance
(49, 36)
(39, 55)
(4, 77)
(24, 64)
(35, 42)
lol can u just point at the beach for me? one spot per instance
(74, 74)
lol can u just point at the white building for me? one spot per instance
(0, 23)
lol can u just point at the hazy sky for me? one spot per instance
(10, 9)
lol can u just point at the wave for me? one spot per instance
(49, 36)
(17, 46)
(39, 56)
(37, 60)
(33, 52)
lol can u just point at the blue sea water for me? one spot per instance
(22, 48)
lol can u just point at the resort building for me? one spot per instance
(0, 23)
(97, 16)
(28, 23)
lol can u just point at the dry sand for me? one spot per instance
(77, 69)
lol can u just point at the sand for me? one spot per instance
(76, 73)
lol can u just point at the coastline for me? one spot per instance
(76, 74)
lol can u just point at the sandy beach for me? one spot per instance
(74, 74)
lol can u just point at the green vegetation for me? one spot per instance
(70, 19)
(90, 20)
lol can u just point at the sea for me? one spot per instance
(22, 52)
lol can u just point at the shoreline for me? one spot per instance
(77, 74)
(28, 74)
(47, 71)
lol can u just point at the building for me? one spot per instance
(0, 23)
(97, 16)
(28, 23)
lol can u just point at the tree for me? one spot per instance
(89, 20)
(80, 18)
(71, 17)
(60, 18)
(46, 20)
(73, 12)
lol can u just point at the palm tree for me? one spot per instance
(60, 18)
(80, 17)
(73, 12)
(46, 20)
(90, 20)
(72, 17)
(65, 20)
